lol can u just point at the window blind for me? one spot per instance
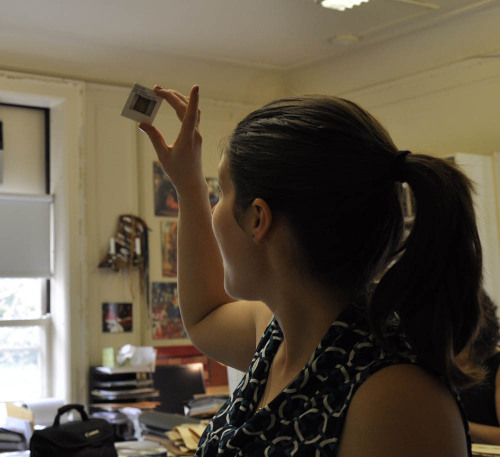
(25, 235)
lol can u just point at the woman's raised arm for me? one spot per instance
(220, 327)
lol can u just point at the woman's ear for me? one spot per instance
(262, 219)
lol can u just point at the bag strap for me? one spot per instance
(64, 409)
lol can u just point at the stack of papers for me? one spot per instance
(139, 449)
(177, 433)
(182, 440)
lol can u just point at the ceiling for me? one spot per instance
(275, 34)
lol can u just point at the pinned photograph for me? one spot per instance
(213, 191)
(116, 317)
(166, 202)
(167, 322)
(168, 233)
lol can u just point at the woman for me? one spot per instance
(309, 215)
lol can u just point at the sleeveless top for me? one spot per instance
(479, 401)
(307, 417)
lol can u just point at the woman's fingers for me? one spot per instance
(191, 118)
(181, 96)
(156, 138)
(176, 102)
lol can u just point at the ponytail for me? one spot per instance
(434, 288)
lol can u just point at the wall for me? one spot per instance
(111, 189)
(121, 68)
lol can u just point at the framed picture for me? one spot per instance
(117, 317)
(166, 315)
(166, 201)
(168, 233)
(213, 190)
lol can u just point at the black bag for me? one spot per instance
(85, 438)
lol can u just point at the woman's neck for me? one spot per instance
(305, 312)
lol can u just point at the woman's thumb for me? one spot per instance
(155, 136)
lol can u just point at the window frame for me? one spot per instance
(44, 322)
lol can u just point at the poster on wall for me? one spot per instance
(116, 317)
(168, 233)
(167, 323)
(166, 202)
(213, 191)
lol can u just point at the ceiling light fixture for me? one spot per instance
(340, 5)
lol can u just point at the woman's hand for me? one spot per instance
(181, 160)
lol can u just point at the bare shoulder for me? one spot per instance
(403, 410)
(230, 333)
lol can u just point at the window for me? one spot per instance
(25, 211)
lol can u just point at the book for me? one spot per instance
(156, 420)
(125, 383)
(142, 405)
(204, 406)
(9, 435)
(140, 393)
(127, 369)
(11, 440)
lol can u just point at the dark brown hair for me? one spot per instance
(328, 167)
(484, 344)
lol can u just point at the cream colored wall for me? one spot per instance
(111, 189)
(457, 39)
(430, 88)
(480, 168)
(219, 81)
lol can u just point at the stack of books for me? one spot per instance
(204, 406)
(115, 388)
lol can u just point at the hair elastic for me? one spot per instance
(398, 167)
